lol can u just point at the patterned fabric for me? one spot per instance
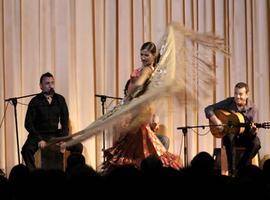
(136, 73)
(137, 145)
(134, 77)
(133, 148)
(168, 78)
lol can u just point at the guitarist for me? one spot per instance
(249, 139)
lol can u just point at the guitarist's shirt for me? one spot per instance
(250, 111)
(42, 118)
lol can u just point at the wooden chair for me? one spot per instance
(51, 158)
(239, 152)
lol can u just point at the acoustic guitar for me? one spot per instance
(233, 122)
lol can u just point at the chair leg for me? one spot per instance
(38, 158)
(255, 160)
(224, 163)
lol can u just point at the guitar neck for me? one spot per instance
(258, 125)
(265, 125)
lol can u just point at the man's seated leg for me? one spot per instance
(28, 150)
(252, 146)
(229, 143)
(164, 140)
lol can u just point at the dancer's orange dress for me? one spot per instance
(135, 146)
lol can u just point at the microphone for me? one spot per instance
(15, 98)
(105, 96)
(102, 96)
(50, 92)
(10, 99)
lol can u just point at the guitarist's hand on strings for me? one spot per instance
(217, 122)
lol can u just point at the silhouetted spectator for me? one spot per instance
(203, 163)
(73, 160)
(5, 191)
(18, 178)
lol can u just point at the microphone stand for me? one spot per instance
(184, 131)
(14, 102)
(103, 99)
